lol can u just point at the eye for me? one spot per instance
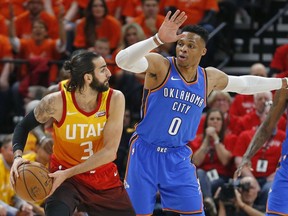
(190, 46)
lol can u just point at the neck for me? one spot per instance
(87, 99)
(189, 72)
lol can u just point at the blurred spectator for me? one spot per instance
(35, 11)
(131, 9)
(11, 202)
(18, 5)
(115, 8)
(243, 104)
(102, 47)
(253, 119)
(3, 26)
(212, 155)
(201, 12)
(97, 24)
(150, 20)
(279, 63)
(5, 94)
(222, 101)
(241, 202)
(39, 50)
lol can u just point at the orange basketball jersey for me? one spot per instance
(78, 135)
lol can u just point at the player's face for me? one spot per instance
(189, 50)
(101, 75)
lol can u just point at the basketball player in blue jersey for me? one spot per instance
(175, 92)
(277, 203)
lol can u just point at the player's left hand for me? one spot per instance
(244, 163)
(58, 178)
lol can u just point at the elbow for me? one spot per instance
(121, 59)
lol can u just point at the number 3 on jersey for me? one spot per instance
(89, 149)
(174, 126)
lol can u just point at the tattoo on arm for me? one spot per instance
(45, 110)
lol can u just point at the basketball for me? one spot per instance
(33, 183)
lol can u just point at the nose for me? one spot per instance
(183, 48)
(108, 73)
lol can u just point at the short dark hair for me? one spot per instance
(199, 30)
(79, 65)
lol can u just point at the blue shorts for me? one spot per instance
(169, 171)
(277, 203)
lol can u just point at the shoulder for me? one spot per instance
(117, 95)
(53, 100)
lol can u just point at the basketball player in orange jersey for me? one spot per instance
(88, 121)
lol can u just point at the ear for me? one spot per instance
(88, 78)
(204, 51)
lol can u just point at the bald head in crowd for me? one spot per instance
(258, 69)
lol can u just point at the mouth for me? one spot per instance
(181, 57)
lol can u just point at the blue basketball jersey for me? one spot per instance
(177, 105)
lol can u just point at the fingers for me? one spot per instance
(181, 18)
(237, 173)
(174, 16)
(168, 16)
(177, 17)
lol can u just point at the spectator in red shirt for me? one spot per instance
(97, 24)
(254, 118)
(35, 11)
(222, 101)
(150, 20)
(212, 154)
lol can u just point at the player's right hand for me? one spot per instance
(14, 169)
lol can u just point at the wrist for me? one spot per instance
(157, 40)
(285, 82)
(17, 156)
(216, 141)
(42, 139)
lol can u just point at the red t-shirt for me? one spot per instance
(110, 28)
(241, 105)
(214, 162)
(271, 151)
(23, 25)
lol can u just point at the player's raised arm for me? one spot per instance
(133, 57)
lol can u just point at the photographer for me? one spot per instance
(241, 202)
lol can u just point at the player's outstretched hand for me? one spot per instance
(168, 30)
(244, 163)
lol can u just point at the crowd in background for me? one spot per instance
(37, 35)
